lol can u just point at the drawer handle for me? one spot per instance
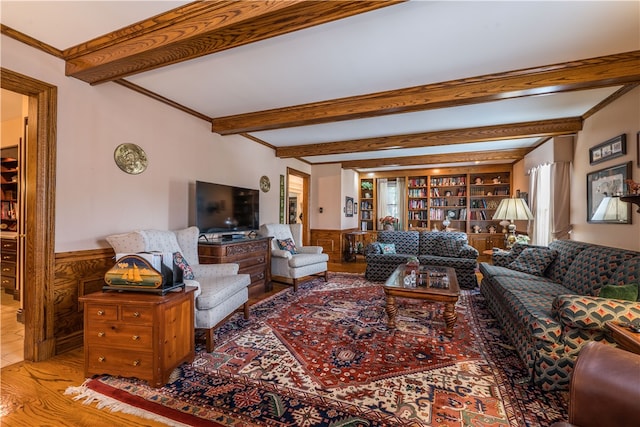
(261, 276)
(100, 313)
(136, 362)
(135, 337)
(136, 314)
(261, 259)
(100, 334)
(101, 359)
(6, 257)
(6, 245)
(6, 269)
(4, 282)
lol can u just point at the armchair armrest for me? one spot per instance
(281, 253)
(201, 271)
(468, 251)
(310, 249)
(587, 312)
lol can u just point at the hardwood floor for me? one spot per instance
(32, 394)
(12, 331)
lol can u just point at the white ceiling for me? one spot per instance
(399, 46)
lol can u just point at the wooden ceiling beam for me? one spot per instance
(446, 137)
(476, 156)
(583, 74)
(198, 29)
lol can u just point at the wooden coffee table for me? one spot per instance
(436, 284)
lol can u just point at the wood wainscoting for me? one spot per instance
(76, 274)
(334, 242)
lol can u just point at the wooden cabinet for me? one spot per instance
(367, 205)
(9, 190)
(9, 256)
(253, 255)
(484, 241)
(139, 335)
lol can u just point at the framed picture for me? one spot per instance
(615, 147)
(604, 188)
(348, 206)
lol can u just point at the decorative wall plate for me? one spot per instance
(265, 184)
(131, 158)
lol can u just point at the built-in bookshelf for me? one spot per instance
(465, 198)
(367, 212)
(9, 183)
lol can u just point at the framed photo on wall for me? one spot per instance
(615, 147)
(348, 206)
(604, 188)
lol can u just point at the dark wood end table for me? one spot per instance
(436, 284)
(624, 337)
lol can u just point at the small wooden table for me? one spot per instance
(437, 284)
(624, 337)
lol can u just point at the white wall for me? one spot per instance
(622, 116)
(94, 198)
(326, 193)
(350, 186)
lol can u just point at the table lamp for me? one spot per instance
(512, 210)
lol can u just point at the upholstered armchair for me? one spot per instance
(220, 289)
(290, 259)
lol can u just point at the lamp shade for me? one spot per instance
(611, 209)
(513, 210)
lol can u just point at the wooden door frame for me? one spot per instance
(39, 239)
(306, 185)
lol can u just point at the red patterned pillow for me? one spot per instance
(187, 272)
(287, 245)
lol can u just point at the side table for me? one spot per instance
(624, 337)
(140, 335)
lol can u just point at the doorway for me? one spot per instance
(298, 201)
(39, 204)
(13, 111)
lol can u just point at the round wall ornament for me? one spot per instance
(265, 184)
(131, 158)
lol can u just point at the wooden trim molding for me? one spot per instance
(40, 172)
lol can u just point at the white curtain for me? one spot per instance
(540, 201)
(392, 200)
(382, 201)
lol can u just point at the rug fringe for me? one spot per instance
(104, 402)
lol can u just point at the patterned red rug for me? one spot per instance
(323, 356)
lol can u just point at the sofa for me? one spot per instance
(438, 248)
(550, 301)
(220, 289)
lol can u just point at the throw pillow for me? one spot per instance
(287, 245)
(187, 272)
(388, 248)
(533, 260)
(625, 292)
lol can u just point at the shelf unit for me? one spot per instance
(448, 200)
(468, 197)
(9, 192)
(367, 203)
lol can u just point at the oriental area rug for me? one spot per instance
(324, 356)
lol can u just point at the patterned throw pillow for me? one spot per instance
(388, 248)
(623, 292)
(187, 272)
(533, 260)
(287, 245)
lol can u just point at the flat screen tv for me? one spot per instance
(226, 209)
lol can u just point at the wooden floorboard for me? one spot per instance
(32, 394)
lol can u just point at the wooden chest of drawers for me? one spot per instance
(139, 335)
(9, 259)
(253, 255)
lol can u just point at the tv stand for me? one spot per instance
(253, 256)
